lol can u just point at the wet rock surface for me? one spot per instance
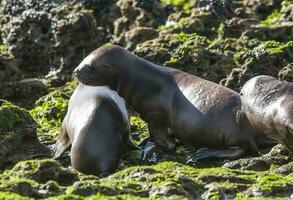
(225, 41)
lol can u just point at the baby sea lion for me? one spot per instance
(268, 105)
(97, 127)
(174, 104)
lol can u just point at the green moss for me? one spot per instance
(273, 18)
(41, 171)
(24, 187)
(50, 110)
(139, 129)
(267, 58)
(16, 124)
(183, 22)
(178, 3)
(12, 116)
(88, 188)
(166, 180)
(221, 30)
(270, 182)
(277, 16)
(66, 197)
(3, 49)
(12, 196)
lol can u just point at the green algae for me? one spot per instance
(277, 16)
(273, 18)
(16, 125)
(175, 25)
(178, 3)
(166, 180)
(12, 116)
(139, 129)
(12, 196)
(50, 110)
(189, 51)
(41, 171)
(3, 49)
(267, 58)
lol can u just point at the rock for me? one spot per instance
(286, 74)
(261, 8)
(202, 23)
(217, 7)
(282, 33)
(277, 157)
(135, 36)
(168, 180)
(18, 139)
(280, 150)
(267, 58)
(24, 92)
(257, 164)
(192, 53)
(137, 22)
(88, 188)
(285, 169)
(138, 13)
(37, 178)
(42, 171)
(47, 36)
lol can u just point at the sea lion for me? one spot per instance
(268, 105)
(97, 127)
(174, 104)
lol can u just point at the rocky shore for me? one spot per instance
(225, 41)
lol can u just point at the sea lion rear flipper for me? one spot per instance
(221, 154)
(61, 144)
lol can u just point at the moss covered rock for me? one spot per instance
(167, 180)
(18, 139)
(267, 58)
(46, 30)
(50, 110)
(286, 74)
(37, 178)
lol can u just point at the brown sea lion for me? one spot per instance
(175, 104)
(97, 127)
(268, 105)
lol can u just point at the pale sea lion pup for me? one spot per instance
(268, 104)
(176, 104)
(97, 127)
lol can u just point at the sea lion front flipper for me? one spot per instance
(204, 154)
(61, 144)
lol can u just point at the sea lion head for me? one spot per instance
(102, 66)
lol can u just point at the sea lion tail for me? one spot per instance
(62, 143)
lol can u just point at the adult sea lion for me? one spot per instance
(268, 104)
(176, 104)
(97, 126)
